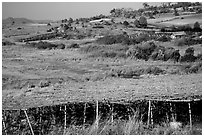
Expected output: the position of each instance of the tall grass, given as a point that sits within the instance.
(115, 50)
(133, 126)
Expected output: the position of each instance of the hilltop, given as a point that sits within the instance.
(8, 22)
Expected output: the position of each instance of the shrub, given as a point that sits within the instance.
(164, 38)
(136, 23)
(4, 43)
(141, 51)
(125, 23)
(113, 39)
(188, 58)
(142, 37)
(199, 57)
(197, 27)
(61, 46)
(143, 21)
(196, 68)
(192, 68)
(180, 42)
(89, 48)
(111, 51)
(44, 45)
(44, 83)
(154, 70)
(189, 55)
(189, 51)
(73, 45)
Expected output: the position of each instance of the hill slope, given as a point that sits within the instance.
(10, 21)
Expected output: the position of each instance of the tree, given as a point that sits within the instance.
(137, 23)
(143, 21)
(77, 21)
(65, 20)
(197, 27)
(71, 20)
(176, 12)
(112, 11)
(173, 28)
(48, 24)
(125, 23)
(66, 27)
(145, 5)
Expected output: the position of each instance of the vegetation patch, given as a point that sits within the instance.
(192, 68)
(187, 41)
(107, 51)
(73, 45)
(5, 43)
(44, 45)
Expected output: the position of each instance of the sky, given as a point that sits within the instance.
(62, 10)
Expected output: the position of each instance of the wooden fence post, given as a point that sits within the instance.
(151, 115)
(97, 120)
(190, 118)
(175, 114)
(4, 124)
(31, 129)
(84, 120)
(149, 112)
(65, 118)
(112, 107)
(172, 115)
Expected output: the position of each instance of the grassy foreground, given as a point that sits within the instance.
(129, 127)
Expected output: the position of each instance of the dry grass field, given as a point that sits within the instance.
(76, 76)
(33, 77)
(169, 20)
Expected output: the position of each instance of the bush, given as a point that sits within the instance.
(44, 45)
(137, 23)
(196, 68)
(197, 27)
(180, 42)
(189, 55)
(111, 51)
(192, 68)
(113, 39)
(189, 51)
(188, 58)
(143, 21)
(164, 38)
(60, 46)
(154, 70)
(4, 43)
(142, 37)
(73, 45)
(141, 51)
(125, 23)
(199, 57)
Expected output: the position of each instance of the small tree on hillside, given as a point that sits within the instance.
(197, 27)
(143, 21)
(173, 28)
(137, 23)
(71, 20)
(176, 12)
(125, 23)
(65, 20)
(145, 5)
(77, 21)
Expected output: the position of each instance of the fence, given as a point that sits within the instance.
(40, 120)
